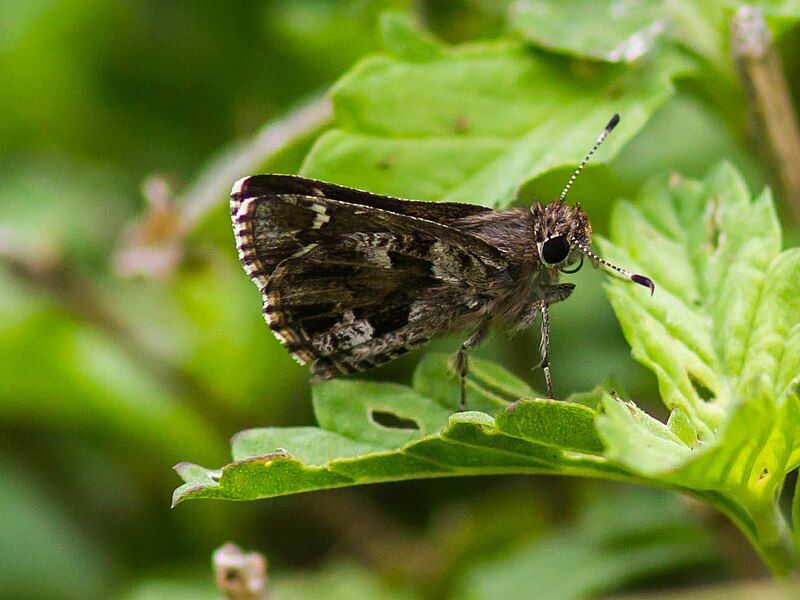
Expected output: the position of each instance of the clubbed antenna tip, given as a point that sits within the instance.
(645, 281)
(612, 123)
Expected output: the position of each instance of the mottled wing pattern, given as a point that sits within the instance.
(350, 286)
(276, 185)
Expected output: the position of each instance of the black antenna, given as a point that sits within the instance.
(603, 135)
(640, 279)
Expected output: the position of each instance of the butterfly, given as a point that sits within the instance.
(351, 280)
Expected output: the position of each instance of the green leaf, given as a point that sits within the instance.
(473, 123)
(615, 31)
(400, 37)
(605, 30)
(489, 387)
(352, 446)
(550, 422)
(723, 338)
(721, 335)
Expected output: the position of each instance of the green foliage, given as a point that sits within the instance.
(69, 564)
(648, 535)
(105, 380)
(482, 123)
(722, 337)
(616, 32)
(351, 446)
(611, 31)
(724, 318)
(620, 537)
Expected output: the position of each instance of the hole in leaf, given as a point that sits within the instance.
(705, 394)
(764, 473)
(391, 420)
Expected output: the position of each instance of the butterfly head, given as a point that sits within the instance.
(563, 232)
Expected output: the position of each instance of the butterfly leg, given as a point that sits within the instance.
(544, 348)
(461, 360)
(552, 294)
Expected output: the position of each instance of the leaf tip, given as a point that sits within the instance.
(181, 467)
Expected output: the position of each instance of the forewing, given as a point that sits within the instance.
(347, 287)
(279, 185)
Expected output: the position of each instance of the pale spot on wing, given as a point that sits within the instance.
(445, 264)
(319, 220)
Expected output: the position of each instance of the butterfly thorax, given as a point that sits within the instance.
(519, 233)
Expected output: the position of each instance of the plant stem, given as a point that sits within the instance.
(774, 122)
(780, 555)
(770, 535)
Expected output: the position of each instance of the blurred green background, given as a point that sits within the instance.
(116, 363)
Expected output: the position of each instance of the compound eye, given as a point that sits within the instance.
(555, 250)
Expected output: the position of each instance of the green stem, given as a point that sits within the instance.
(770, 535)
(780, 554)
